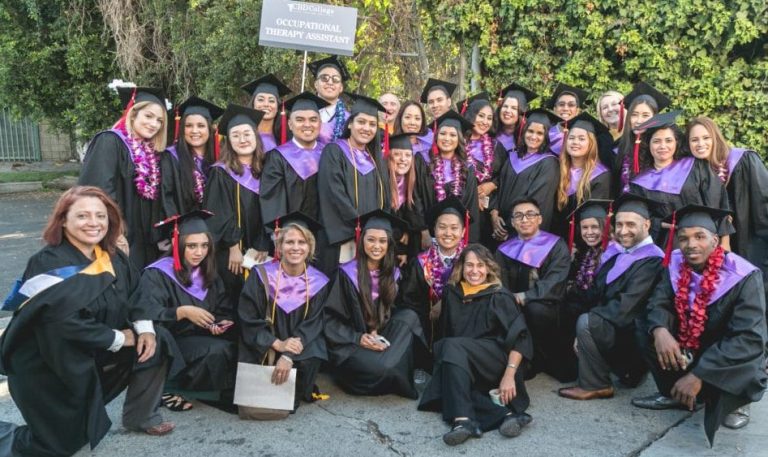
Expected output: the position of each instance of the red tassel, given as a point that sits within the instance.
(464, 107)
(571, 232)
(283, 126)
(121, 122)
(176, 126)
(520, 128)
(466, 228)
(607, 226)
(277, 233)
(386, 141)
(434, 140)
(636, 155)
(216, 144)
(621, 115)
(670, 240)
(358, 231)
(175, 247)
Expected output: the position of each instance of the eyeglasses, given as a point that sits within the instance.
(328, 78)
(566, 105)
(530, 215)
(242, 137)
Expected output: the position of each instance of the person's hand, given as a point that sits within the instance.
(260, 256)
(401, 259)
(667, 350)
(235, 260)
(404, 238)
(130, 338)
(291, 345)
(145, 346)
(281, 371)
(196, 315)
(122, 244)
(485, 189)
(686, 389)
(666, 225)
(164, 245)
(220, 327)
(576, 346)
(519, 298)
(369, 341)
(426, 240)
(499, 227)
(507, 388)
(434, 311)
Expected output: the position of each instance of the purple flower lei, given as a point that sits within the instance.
(487, 165)
(625, 175)
(146, 166)
(436, 269)
(585, 276)
(340, 120)
(199, 178)
(439, 176)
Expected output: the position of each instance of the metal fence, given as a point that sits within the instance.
(19, 140)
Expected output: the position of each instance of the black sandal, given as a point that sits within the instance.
(175, 402)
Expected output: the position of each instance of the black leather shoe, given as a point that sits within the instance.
(461, 432)
(511, 427)
(524, 419)
(657, 401)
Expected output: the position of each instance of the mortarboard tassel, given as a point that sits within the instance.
(520, 128)
(466, 227)
(175, 247)
(358, 231)
(464, 107)
(670, 241)
(607, 226)
(636, 155)
(216, 144)
(283, 126)
(434, 139)
(571, 232)
(121, 122)
(621, 115)
(277, 233)
(177, 120)
(386, 141)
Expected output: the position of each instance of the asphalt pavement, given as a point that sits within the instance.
(346, 425)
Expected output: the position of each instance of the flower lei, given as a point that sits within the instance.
(585, 276)
(439, 176)
(692, 321)
(199, 178)
(625, 174)
(485, 174)
(436, 269)
(146, 166)
(340, 119)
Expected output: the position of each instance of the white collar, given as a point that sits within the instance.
(648, 240)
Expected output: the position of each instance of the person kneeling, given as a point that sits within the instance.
(485, 345)
(705, 334)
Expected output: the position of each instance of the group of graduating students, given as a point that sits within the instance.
(482, 247)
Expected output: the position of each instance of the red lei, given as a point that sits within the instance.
(692, 321)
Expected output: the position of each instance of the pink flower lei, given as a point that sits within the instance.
(199, 179)
(435, 274)
(439, 176)
(146, 164)
(487, 165)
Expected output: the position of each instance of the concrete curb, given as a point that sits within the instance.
(15, 187)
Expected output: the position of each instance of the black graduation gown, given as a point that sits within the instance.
(701, 187)
(539, 181)
(544, 289)
(414, 293)
(337, 208)
(599, 188)
(361, 371)
(479, 332)
(415, 219)
(731, 360)
(257, 335)
(210, 360)
(54, 352)
(283, 191)
(615, 307)
(221, 198)
(108, 165)
(171, 199)
(468, 197)
(485, 223)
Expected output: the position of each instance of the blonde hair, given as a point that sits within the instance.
(608, 93)
(484, 255)
(305, 232)
(160, 140)
(720, 147)
(583, 190)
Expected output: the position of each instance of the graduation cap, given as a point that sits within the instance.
(195, 105)
(544, 117)
(449, 205)
(658, 121)
(481, 99)
(634, 203)
(238, 115)
(455, 120)
(589, 123)
(437, 84)
(306, 101)
(365, 105)
(381, 220)
(599, 209)
(520, 93)
(332, 61)
(563, 89)
(643, 92)
(294, 218)
(401, 141)
(129, 96)
(267, 84)
(185, 224)
(692, 216)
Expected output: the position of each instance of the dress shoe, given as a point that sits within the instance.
(738, 418)
(577, 393)
(512, 426)
(657, 401)
(524, 419)
(462, 431)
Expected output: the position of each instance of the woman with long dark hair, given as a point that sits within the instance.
(267, 93)
(370, 340)
(124, 161)
(186, 163)
(412, 120)
(233, 197)
(510, 114)
(405, 201)
(485, 345)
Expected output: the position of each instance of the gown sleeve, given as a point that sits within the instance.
(219, 200)
(272, 197)
(339, 321)
(168, 185)
(414, 291)
(622, 310)
(661, 305)
(515, 335)
(543, 189)
(252, 311)
(154, 298)
(331, 180)
(713, 194)
(101, 166)
(553, 276)
(311, 328)
(222, 305)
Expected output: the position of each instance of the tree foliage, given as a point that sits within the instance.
(56, 56)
